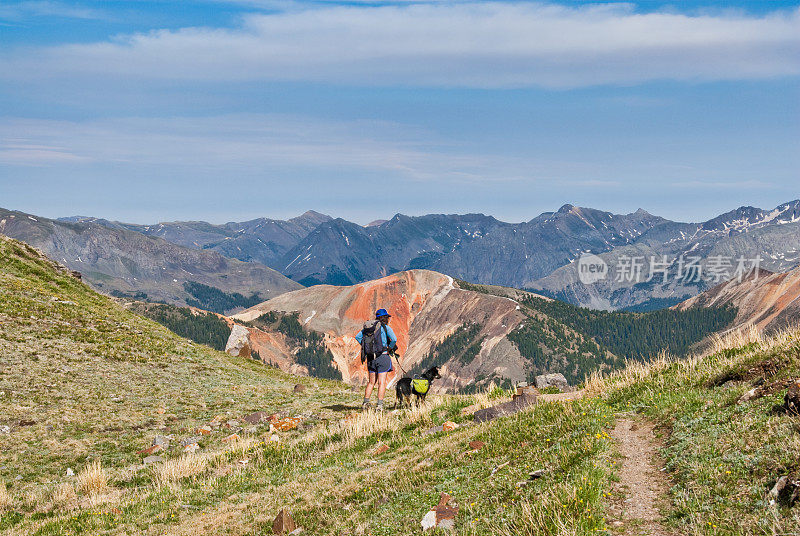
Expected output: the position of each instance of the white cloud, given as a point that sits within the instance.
(249, 143)
(491, 45)
(24, 10)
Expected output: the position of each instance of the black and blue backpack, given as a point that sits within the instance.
(371, 340)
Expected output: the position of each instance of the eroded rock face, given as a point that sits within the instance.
(425, 306)
(764, 299)
(239, 342)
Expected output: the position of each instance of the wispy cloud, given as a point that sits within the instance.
(486, 45)
(713, 184)
(24, 152)
(248, 142)
(15, 11)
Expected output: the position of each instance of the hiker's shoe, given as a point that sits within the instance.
(366, 405)
(379, 408)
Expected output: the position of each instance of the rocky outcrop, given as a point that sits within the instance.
(515, 405)
(556, 380)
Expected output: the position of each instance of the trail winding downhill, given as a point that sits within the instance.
(642, 483)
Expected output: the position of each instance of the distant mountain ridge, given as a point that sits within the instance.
(771, 236)
(262, 240)
(539, 254)
(124, 262)
(473, 247)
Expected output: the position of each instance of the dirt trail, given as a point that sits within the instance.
(642, 484)
(561, 397)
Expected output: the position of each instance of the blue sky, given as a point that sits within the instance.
(149, 111)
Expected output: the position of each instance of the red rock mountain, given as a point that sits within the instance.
(767, 300)
(425, 306)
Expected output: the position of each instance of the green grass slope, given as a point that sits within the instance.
(82, 379)
(92, 376)
(722, 453)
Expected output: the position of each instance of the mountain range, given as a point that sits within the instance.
(542, 254)
(262, 240)
(760, 238)
(123, 262)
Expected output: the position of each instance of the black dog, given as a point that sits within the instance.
(405, 388)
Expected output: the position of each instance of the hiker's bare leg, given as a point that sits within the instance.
(371, 385)
(382, 385)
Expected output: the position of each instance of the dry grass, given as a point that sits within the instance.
(366, 424)
(736, 339)
(33, 498)
(371, 422)
(64, 495)
(174, 470)
(634, 371)
(695, 365)
(112, 496)
(422, 413)
(93, 480)
(241, 446)
(538, 518)
(5, 497)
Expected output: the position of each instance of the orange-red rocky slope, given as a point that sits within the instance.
(767, 300)
(425, 306)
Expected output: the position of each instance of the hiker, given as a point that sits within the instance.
(377, 340)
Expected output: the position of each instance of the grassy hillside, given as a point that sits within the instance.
(722, 454)
(84, 382)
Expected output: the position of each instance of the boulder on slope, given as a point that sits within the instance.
(552, 380)
(238, 342)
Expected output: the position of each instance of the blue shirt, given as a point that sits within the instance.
(385, 330)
